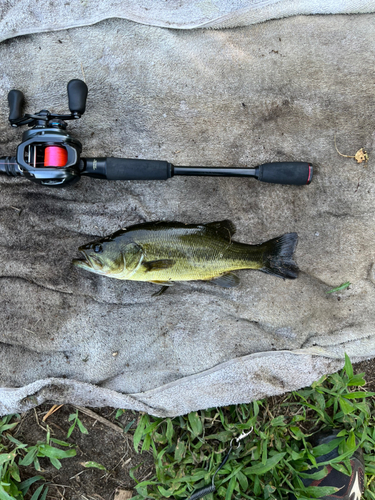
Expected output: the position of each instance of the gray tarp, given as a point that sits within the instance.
(21, 17)
(275, 91)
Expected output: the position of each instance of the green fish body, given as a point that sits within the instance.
(166, 252)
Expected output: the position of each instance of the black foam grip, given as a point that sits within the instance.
(77, 95)
(15, 100)
(136, 169)
(295, 173)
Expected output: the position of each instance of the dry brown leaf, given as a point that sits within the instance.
(361, 156)
(123, 494)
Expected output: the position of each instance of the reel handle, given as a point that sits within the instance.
(77, 95)
(15, 100)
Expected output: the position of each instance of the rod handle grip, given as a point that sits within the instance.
(77, 95)
(295, 173)
(124, 169)
(15, 100)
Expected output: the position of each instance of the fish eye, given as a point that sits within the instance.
(98, 248)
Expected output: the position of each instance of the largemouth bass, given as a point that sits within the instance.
(166, 252)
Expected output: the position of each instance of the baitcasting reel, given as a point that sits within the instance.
(48, 155)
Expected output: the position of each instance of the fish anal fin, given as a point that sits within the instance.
(161, 291)
(164, 283)
(228, 280)
(224, 228)
(156, 265)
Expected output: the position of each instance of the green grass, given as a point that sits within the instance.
(15, 454)
(274, 458)
(269, 463)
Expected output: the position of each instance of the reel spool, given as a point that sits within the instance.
(55, 156)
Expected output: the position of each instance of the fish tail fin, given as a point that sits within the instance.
(278, 256)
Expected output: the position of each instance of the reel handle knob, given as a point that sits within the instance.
(77, 95)
(15, 100)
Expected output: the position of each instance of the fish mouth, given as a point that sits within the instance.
(88, 262)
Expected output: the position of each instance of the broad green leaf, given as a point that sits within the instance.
(197, 476)
(195, 423)
(297, 456)
(45, 450)
(6, 427)
(320, 400)
(56, 463)
(37, 464)
(94, 465)
(341, 468)
(230, 489)
(325, 448)
(264, 451)
(321, 491)
(269, 489)
(243, 481)
(61, 443)
(260, 469)
(315, 475)
(297, 432)
(139, 431)
(349, 445)
(14, 472)
(128, 426)
(348, 367)
(345, 406)
(256, 408)
(278, 421)
(71, 429)
(146, 442)
(166, 493)
(179, 451)
(119, 412)
(38, 491)
(25, 485)
(357, 380)
(16, 442)
(257, 486)
(82, 428)
(222, 436)
(7, 457)
(29, 457)
(170, 431)
(43, 497)
(4, 495)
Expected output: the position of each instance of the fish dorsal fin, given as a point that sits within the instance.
(224, 228)
(228, 280)
(133, 256)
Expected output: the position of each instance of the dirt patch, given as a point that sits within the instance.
(102, 444)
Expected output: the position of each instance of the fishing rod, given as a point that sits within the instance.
(49, 156)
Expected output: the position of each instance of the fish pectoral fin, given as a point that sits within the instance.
(155, 265)
(228, 280)
(225, 228)
(164, 283)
